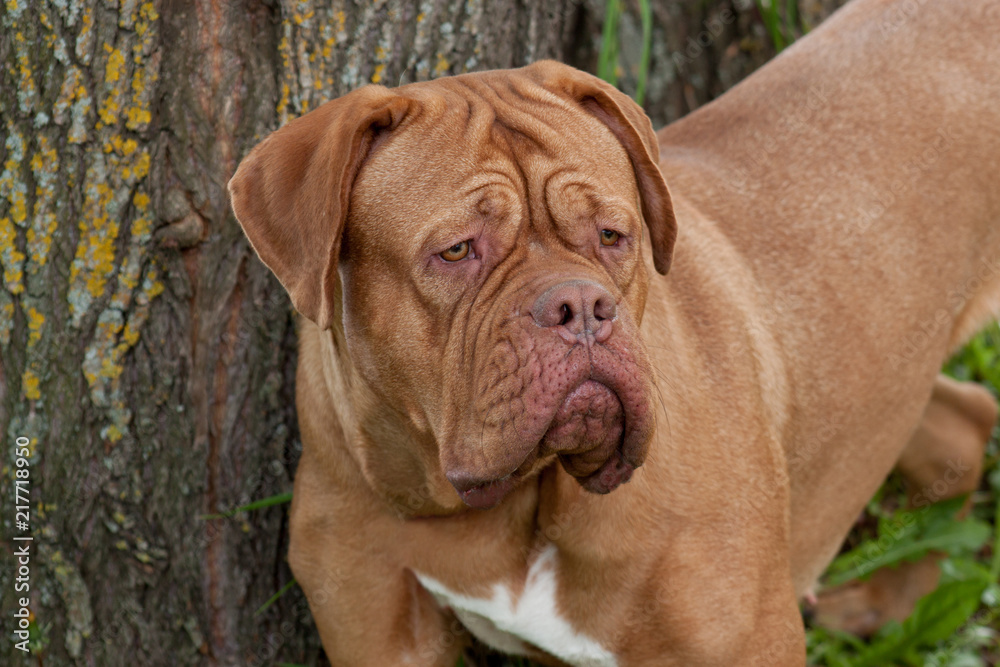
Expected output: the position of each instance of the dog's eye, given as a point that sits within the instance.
(456, 252)
(609, 237)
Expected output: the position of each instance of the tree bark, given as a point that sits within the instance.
(144, 351)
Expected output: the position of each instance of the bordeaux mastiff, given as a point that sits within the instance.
(600, 396)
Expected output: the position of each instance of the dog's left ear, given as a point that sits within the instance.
(630, 125)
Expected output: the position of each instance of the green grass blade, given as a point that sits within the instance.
(646, 12)
(791, 19)
(607, 62)
(279, 499)
(772, 21)
(274, 598)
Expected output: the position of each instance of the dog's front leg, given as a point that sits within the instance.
(737, 618)
(669, 579)
(369, 609)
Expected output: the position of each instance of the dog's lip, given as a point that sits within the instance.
(615, 472)
(484, 495)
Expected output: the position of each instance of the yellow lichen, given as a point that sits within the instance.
(141, 228)
(442, 65)
(45, 167)
(95, 253)
(130, 335)
(142, 165)
(6, 322)
(29, 385)
(113, 69)
(26, 88)
(86, 25)
(39, 238)
(328, 46)
(148, 12)
(10, 257)
(283, 102)
(110, 369)
(35, 321)
(138, 117)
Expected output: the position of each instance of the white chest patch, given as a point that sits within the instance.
(506, 623)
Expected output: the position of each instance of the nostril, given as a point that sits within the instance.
(604, 309)
(567, 315)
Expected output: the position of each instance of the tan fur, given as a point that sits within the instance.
(818, 280)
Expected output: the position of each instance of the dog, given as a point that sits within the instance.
(604, 397)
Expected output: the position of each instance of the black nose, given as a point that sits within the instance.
(580, 306)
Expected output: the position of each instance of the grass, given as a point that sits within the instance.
(270, 501)
(608, 61)
(782, 24)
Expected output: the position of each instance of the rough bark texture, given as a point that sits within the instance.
(145, 352)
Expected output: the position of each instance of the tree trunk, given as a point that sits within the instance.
(144, 351)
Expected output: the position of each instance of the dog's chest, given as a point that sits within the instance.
(507, 622)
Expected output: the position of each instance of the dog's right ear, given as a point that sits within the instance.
(291, 193)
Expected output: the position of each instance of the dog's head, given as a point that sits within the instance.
(484, 232)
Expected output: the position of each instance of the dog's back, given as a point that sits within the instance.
(858, 175)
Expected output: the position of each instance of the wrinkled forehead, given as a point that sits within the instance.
(487, 143)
